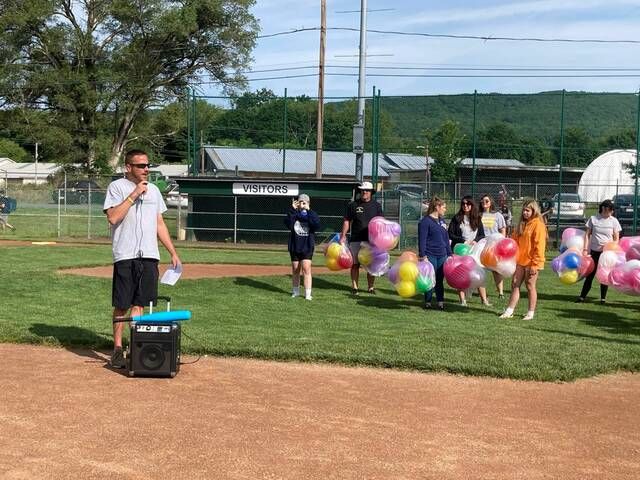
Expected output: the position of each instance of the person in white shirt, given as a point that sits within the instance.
(134, 209)
(493, 222)
(601, 229)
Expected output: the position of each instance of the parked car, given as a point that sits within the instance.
(571, 208)
(623, 210)
(78, 191)
(174, 198)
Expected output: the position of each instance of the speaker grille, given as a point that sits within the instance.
(151, 356)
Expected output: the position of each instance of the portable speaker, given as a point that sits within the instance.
(154, 349)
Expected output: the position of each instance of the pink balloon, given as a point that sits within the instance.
(633, 251)
(634, 277)
(602, 274)
(570, 232)
(586, 266)
(457, 270)
(506, 248)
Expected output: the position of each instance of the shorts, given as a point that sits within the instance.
(135, 283)
(354, 247)
(298, 256)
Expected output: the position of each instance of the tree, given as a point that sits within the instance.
(81, 60)
(10, 149)
(445, 146)
(579, 148)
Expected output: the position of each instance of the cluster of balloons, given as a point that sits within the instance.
(465, 269)
(373, 259)
(463, 272)
(337, 256)
(374, 254)
(571, 266)
(410, 276)
(619, 265)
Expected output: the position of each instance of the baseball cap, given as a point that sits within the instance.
(366, 186)
(303, 197)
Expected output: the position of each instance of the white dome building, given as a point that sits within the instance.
(607, 175)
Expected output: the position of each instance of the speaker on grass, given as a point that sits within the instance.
(154, 349)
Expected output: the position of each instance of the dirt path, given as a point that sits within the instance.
(64, 414)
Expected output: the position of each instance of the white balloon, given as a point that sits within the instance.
(506, 269)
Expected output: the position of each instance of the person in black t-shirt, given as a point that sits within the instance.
(357, 218)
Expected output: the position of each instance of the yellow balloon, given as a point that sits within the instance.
(569, 277)
(332, 264)
(408, 271)
(406, 289)
(333, 251)
(364, 256)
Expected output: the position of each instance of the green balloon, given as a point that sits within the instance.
(462, 249)
(423, 284)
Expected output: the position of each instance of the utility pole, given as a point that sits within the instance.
(427, 172)
(358, 129)
(36, 180)
(323, 36)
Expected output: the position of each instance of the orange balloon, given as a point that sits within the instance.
(488, 258)
(611, 246)
(408, 256)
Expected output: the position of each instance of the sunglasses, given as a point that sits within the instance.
(140, 165)
(486, 201)
(466, 204)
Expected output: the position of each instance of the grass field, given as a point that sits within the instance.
(255, 317)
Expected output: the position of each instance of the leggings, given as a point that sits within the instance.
(589, 279)
(437, 263)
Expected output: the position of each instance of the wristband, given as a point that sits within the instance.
(130, 200)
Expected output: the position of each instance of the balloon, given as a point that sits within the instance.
(626, 242)
(569, 277)
(609, 259)
(333, 250)
(633, 251)
(476, 277)
(425, 268)
(571, 261)
(611, 247)
(345, 260)
(634, 277)
(383, 233)
(617, 278)
(556, 264)
(506, 248)
(586, 266)
(602, 274)
(393, 273)
(424, 284)
(379, 265)
(488, 258)
(576, 242)
(462, 249)
(406, 289)
(506, 269)
(408, 256)
(563, 248)
(408, 271)
(332, 264)
(364, 254)
(456, 271)
(570, 232)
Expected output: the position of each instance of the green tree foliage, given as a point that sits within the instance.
(81, 61)
(446, 146)
(579, 148)
(10, 149)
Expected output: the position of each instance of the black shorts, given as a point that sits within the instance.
(135, 283)
(298, 256)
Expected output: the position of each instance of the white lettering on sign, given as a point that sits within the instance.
(275, 189)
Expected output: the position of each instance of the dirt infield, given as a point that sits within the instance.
(205, 270)
(245, 419)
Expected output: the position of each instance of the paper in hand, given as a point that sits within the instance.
(172, 275)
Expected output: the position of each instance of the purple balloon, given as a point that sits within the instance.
(425, 268)
(395, 229)
(393, 273)
(556, 264)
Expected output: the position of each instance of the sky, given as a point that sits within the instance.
(451, 58)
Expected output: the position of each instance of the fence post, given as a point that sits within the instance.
(235, 219)
(635, 189)
(284, 134)
(560, 168)
(473, 171)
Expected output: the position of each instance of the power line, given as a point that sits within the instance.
(460, 37)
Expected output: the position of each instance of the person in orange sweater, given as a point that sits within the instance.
(531, 235)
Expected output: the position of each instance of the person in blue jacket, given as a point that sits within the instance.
(302, 223)
(433, 243)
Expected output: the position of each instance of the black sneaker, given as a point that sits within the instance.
(354, 291)
(117, 359)
(426, 306)
(579, 300)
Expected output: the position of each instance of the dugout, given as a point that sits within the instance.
(251, 210)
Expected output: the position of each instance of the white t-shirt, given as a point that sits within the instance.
(468, 234)
(492, 222)
(137, 234)
(602, 230)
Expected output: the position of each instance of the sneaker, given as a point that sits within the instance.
(501, 296)
(426, 306)
(372, 291)
(117, 358)
(308, 298)
(579, 300)
(506, 315)
(463, 303)
(528, 316)
(294, 295)
(354, 291)
(487, 303)
(603, 301)
(441, 306)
